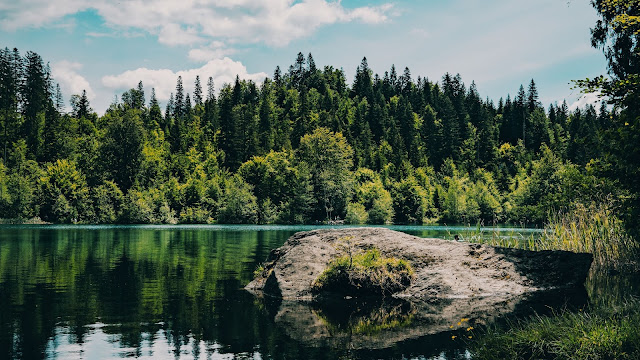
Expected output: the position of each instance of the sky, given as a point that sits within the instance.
(107, 46)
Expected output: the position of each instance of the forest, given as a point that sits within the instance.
(305, 146)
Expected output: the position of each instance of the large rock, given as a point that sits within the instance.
(443, 269)
(456, 286)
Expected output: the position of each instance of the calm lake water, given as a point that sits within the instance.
(169, 292)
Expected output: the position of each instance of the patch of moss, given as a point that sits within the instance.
(366, 273)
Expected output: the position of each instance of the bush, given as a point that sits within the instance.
(367, 273)
(409, 202)
(195, 215)
(107, 201)
(356, 214)
(238, 203)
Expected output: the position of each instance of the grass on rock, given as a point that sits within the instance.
(364, 273)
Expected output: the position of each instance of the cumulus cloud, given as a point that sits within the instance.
(274, 22)
(164, 80)
(71, 82)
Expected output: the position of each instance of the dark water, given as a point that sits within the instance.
(91, 292)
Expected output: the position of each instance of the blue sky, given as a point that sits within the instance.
(107, 46)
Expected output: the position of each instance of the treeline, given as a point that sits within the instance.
(302, 147)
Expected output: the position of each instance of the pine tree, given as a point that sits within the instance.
(179, 105)
(36, 98)
(362, 85)
(80, 107)
(10, 85)
(297, 71)
(532, 97)
(197, 92)
(155, 119)
(406, 82)
(210, 90)
(393, 80)
(520, 116)
(265, 121)
(59, 100)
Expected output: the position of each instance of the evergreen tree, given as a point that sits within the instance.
(266, 121)
(80, 107)
(10, 86)
(532, 97)
(121, 152)
(362, 85)
(297, 71)
(155, 119)
(35, 100)
(197, 92)
(179, 105)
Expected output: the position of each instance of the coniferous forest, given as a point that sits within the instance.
(305, 146)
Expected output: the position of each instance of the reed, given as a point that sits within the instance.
(590, 229)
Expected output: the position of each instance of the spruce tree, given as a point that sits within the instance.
(532, 97)
(179, 105)
(197, 92)
(35, 99)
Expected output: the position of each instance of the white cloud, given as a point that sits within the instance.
(71, 83)
(215, 50)
(164, 80)
(185, 22)
(34, 13)
(593, 98)
(174, 34)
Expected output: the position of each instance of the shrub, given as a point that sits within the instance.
(356, 214)
(367, 273)
(195, 215)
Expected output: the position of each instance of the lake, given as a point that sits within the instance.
(169, 292)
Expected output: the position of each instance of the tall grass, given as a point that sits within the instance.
(581, 335)
(594, 229)
(591, 229)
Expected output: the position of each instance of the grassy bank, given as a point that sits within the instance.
(608, 328)
(602, 334)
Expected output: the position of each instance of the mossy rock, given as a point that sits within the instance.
(366, 273)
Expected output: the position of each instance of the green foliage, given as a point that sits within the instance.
(593, 229)
(195, 215)
(374, 198)
(617, 33)
(64, 194)
(329, 158)
(107, 200)
(238, 204)
(307, 148)
(569, 335)
(366, 273)
(409, 202)
(550, 185)
(356, 214)
(147, 207)
(121, 152)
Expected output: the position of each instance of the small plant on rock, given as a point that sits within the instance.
(364, 273)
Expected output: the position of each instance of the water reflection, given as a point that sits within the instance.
(368, 324)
